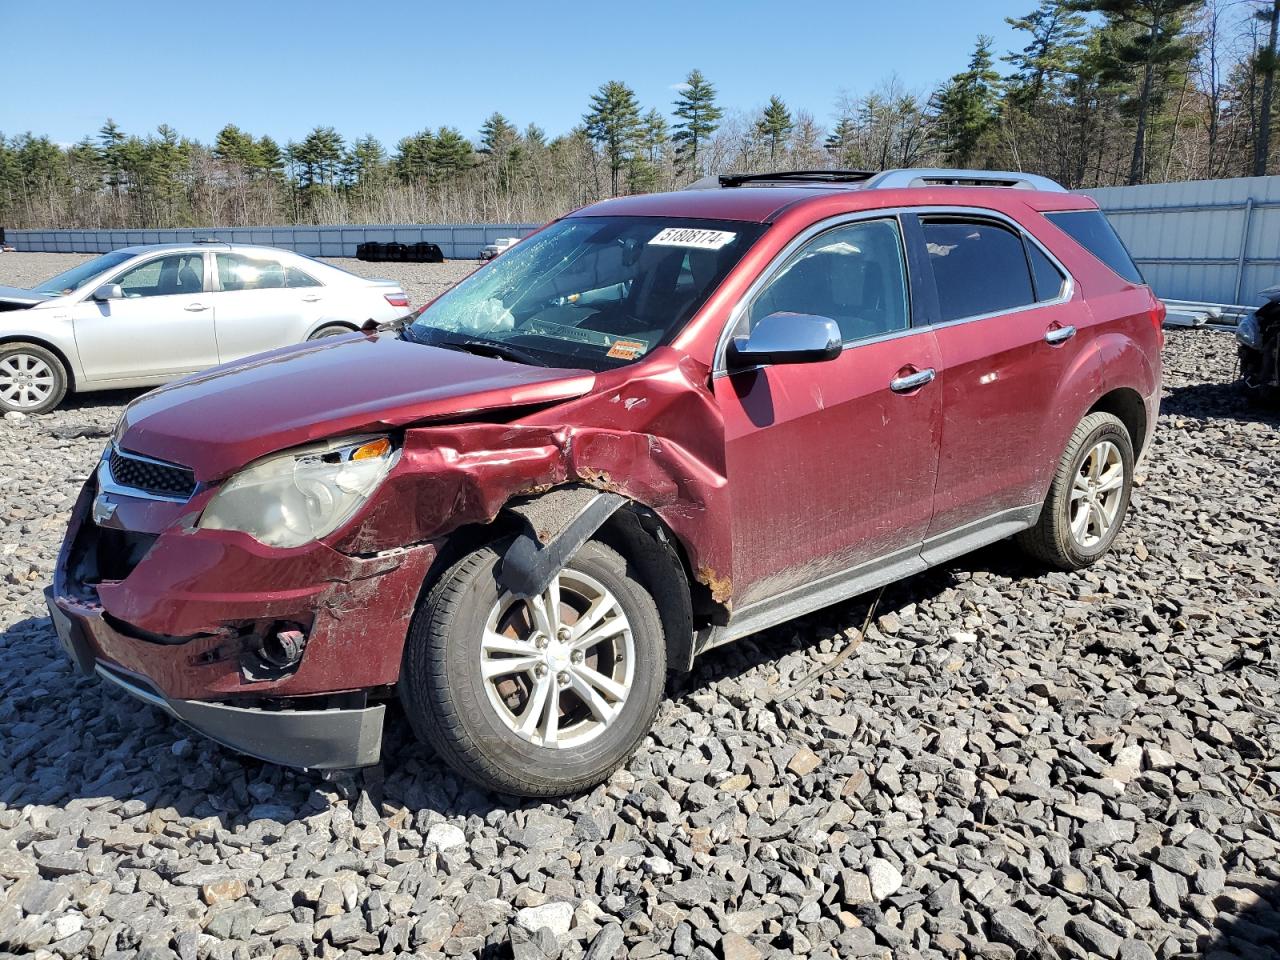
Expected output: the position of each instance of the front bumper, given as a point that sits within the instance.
(173, 624)
(332, 739)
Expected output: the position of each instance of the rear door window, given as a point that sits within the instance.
(238, 272)
(979, 267)
(1092, 230)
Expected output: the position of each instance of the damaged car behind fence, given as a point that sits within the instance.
(660, 424)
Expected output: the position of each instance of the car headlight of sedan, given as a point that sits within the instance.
(1248, 332)
(296, 497)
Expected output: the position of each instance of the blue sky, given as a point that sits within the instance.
(391, 68)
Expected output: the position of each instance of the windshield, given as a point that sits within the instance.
(593, 292)
(71, 280)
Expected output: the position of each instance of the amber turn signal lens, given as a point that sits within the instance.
(372, 450)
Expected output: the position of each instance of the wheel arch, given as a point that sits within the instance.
(654, 554)
(1127, 405)
(321, 324)
(57, 351)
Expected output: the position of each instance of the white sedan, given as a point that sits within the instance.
(141, 316)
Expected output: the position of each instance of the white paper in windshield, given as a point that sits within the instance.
(691, 237)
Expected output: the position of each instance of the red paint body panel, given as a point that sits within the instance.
(219, 420)
(827, 467)
(766, 479)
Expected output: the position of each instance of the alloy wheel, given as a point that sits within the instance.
(25, 380)
(557, 668)
(1096, 492)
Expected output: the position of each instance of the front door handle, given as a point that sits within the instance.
(195, 307)
(1059, 334)
(909, 382)
(311, 298)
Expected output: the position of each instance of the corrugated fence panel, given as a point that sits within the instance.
(461, 241)
(1216, 241)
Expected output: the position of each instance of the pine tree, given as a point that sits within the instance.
(966, 106)
(233, 145)
(775, 126)
(698, 118)
(412, 162)
(613, 122)
(1151, 44)
(1056, 29)
(450, 153)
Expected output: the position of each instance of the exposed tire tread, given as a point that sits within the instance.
(1050, 541)
(432, 711)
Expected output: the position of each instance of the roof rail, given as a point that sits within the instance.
(796, 176)
(938, 177)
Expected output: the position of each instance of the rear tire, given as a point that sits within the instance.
(32, 378)
(497, 730)
(330, 330)
(1088, 498)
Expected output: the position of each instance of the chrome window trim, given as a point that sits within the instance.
(779, 260)
(107, 483)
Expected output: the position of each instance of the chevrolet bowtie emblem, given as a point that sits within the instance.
(103, 509)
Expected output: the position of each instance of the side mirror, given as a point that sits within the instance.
(109, 291)
(786, 338)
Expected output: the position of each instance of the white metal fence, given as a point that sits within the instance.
(1215, 241)
(457, 241)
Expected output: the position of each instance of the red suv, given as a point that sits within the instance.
(659, 424)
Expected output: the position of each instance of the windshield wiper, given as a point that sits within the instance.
(503, 351)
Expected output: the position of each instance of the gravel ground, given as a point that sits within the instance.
(1013, 764)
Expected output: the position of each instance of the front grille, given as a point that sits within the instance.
(161, 479)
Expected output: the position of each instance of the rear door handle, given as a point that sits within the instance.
(195, 307)
(311, 298)
(912, 380)
(1059, 334)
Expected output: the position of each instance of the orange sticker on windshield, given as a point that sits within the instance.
(627, 349)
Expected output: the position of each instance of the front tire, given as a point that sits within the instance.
(32, 379)
(537, 698)
(1089, 496)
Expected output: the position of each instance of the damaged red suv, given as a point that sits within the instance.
(659, 424)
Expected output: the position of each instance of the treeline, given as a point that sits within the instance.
(1103, 92)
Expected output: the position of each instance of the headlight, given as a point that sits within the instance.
(294, 498)
(1248, 332)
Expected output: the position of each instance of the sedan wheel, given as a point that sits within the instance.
(32, 380)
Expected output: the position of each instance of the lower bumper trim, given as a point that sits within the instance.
(337, 739)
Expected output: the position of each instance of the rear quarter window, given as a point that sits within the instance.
(1091, 229)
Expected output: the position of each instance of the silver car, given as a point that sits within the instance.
(140, 316)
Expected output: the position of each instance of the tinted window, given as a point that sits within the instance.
(1090, 229)
(1049, 278)
(164, 276)
(852, 274)
(979, 267)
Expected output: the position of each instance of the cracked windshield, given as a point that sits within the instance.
(593, 292)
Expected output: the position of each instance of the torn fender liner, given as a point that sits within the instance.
(559, 523)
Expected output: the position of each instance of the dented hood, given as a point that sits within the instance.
(217, 421)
